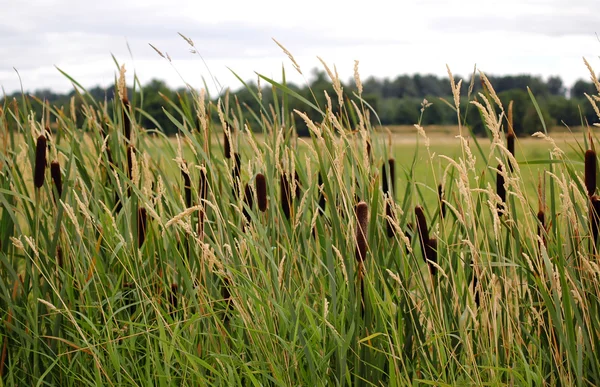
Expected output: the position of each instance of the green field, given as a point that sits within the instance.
(156, 265)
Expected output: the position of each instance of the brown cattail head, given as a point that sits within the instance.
(389, 213)
(40, 161)
(422, 229)
(431, 255)
(388, 175)
(130, 152)
(500, 190)
(595, 217)
(510, 145)
(441, 199)
(541, 216)
(59, 256)
(126, 118)
(226, 145)
(202, 195)
(248, 200)
(237, 165)
(56, 177)
(187, 186)
(590, 171)
(362, 221)
(298, 191)
(261, 192)
(141, 226)
(286, 195)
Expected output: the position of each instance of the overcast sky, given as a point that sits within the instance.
(540, 37)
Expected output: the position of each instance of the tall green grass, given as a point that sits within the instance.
(151, 265)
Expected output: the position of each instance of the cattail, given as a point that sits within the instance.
(500, 190)
(236, 174)
(141, 225)
(389, 172)
(542, 225)
(475, 288)
(389, 213)
(173, 298)
(226, 145)
(56, 177)
(322, 201)
(40, 161)
(248, 200)
(187, 186)
(595, 217)
(130, 152)
(362, 220)
(298, 185)
(590, 171)
(510, 134)
(431, 255)
(286, 195)
(59, 256)
(127, 118)
(202, 194)
(422, 229)
(261, 192)
(441, 200)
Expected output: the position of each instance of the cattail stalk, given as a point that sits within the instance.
(40, 161)
(261, 192)
(56, 177)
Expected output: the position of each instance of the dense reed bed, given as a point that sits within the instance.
(239, 254)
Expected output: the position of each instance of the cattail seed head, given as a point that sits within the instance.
(298, 191)
(248, 200)
(126, 118)
(500, 190)
(422, 229)
(187, 187)
(431, 255)
(56, 177)
(286, 195)
(389, 213)
(226, 145)
(130, 151)
(40, 161)
(141, 225)
(362, 221)
(541, 216)
(590, 171)
(261, 192)
(594, 217)
(236, 174)
(441, 199)
(388, 175)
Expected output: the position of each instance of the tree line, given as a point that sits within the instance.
(396, 101)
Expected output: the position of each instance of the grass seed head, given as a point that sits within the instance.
(40, 161)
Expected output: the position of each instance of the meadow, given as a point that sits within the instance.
(230, 256)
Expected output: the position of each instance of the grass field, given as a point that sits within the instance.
(224, 257)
